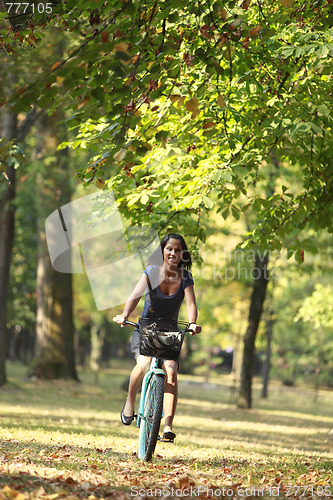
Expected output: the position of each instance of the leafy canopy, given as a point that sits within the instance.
(182, 104)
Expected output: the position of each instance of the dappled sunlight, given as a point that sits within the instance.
(240, 426)
(298, 415)
(71, 434)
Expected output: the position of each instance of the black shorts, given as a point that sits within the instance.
(135, 347)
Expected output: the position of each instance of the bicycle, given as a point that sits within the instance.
(150, 409)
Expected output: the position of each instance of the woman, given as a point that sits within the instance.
(175, 283)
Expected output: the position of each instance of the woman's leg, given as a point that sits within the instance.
(135, 383)
(170, 393)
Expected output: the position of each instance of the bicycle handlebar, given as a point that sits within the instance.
(126, 322)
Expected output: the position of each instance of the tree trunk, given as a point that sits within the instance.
(256, 307)
(267, 364)
(97, 338)
(7, 217)
(54, 346)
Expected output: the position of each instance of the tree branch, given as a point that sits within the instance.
(28, 122)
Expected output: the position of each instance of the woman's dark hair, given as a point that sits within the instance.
(186, 260)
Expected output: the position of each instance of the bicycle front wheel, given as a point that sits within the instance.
(150, 423)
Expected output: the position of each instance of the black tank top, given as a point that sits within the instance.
(164, 306)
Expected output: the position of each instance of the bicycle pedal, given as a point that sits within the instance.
(166, 440)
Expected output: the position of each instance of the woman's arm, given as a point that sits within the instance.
(192, 311)
(133, 299)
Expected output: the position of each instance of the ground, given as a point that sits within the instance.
(65, 440)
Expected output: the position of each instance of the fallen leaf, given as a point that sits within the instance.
(246, 4)
(192, 104)
(105, 36)
(55, 65)
(120, 47)
(254, 31)
(220, 101)
(83, 103)
(222, 12)
(208, 125)
(223, 41)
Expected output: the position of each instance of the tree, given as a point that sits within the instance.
(13, 150)
(256, 307)
(54, 349)
(269, 334)
(6, 237)
(21, 310)
(11, 159)
(181, 105)
(241, 78)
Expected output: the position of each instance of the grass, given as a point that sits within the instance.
(65, 440)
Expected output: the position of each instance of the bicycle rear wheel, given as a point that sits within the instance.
(150, 423)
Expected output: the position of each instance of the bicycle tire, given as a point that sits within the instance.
(150, 423)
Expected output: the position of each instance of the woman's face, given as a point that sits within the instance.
(172, 252)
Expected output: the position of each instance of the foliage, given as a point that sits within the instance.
(180, 105)
(317, 314)
(318, 308)
(301, 351)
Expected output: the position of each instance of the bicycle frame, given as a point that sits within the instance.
(154, 370)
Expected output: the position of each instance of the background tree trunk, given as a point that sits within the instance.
(7, 217)
(256, 307)
(267, 364)
(54, 347)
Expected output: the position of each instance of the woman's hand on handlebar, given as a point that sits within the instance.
(120, 318)
(194, 329)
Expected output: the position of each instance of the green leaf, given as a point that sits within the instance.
(323, 110)
(256, 205)
(298, 256)
(99, 94)
(207, 202)
(225, 213)
(235, 212)
(133, 199)
(323, 51)
(315, 128)
(287, 52)
(265, 203)
(144, 199)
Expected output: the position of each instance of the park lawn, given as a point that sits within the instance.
(65, 440)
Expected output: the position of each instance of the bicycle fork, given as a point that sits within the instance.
(154, 370)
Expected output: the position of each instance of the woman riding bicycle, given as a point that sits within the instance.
(175, 283)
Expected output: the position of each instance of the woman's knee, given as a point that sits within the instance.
(142, 363)
(171, 370)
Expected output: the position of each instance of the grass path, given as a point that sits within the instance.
(65, 440)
